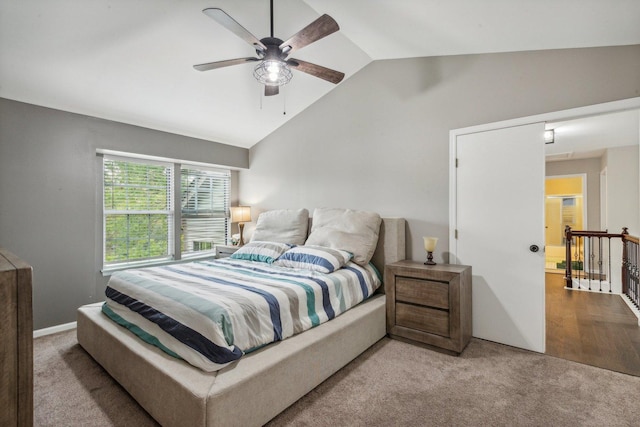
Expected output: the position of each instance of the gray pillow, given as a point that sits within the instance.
(283, 226)
(346, 229)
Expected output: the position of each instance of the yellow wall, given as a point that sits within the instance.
(555, 190)
(563, 186)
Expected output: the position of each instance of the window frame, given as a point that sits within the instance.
(175, 236)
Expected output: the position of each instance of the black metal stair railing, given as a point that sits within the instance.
(630, 260)
(588, 259)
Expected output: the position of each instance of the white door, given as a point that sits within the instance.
(499, 217)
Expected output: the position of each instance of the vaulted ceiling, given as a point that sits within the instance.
(131, 61)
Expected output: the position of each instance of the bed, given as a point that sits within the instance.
(176, 393)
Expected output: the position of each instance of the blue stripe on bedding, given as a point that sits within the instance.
(326, 300)
(182, 333)
(274, 306)
(308, 290)
(298, 259)
(363, 284)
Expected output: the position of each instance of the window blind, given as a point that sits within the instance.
(204, 196)
(138, 211)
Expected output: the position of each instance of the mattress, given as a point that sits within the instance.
(211, 313)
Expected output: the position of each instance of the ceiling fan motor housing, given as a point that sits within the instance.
(273, 70)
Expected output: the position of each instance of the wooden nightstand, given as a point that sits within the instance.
(224, 251)
(430, 304)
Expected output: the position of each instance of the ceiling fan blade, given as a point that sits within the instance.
(232, 25)
(318, 29)
(319, 71)
(220, 64)
(271, 90)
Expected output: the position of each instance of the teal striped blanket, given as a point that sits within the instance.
(211, 313)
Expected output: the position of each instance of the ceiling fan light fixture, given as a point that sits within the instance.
(273, 72)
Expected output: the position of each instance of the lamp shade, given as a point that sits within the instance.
(241, 214)
(430, 243)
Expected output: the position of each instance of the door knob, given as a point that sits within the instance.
(534, 248)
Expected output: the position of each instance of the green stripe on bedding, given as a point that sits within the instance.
(380, 278)
(144, 335)
(308, 290)
(337, 287)
(205, 307)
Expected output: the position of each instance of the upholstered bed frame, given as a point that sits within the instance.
(260, 385)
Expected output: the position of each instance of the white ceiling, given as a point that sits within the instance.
(590, 136)
(131, 61)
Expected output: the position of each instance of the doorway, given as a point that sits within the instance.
(565, 204)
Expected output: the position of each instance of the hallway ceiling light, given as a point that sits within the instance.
(549, 136)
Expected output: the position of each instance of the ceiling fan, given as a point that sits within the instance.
(274, 67)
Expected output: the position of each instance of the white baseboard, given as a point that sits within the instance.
(54, 329)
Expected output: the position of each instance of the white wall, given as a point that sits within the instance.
(623, 198)
(623, 189)
(379, 141)
(48, 196)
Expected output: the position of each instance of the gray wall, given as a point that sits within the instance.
(48, 197)
(591, 167)
(380, 140)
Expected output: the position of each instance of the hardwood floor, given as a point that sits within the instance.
(591, 328)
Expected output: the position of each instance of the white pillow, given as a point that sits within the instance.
(346, 229)
(314, 258)
(282, 225)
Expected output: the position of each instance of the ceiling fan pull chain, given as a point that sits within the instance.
(284, 101)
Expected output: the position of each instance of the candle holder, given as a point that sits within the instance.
(430, 246)
(429, 260)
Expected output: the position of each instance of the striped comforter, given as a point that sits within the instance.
(210, 313)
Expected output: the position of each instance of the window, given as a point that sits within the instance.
(204, 198)
(139, 218)
(138, 211)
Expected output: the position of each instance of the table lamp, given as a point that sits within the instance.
(241, 214)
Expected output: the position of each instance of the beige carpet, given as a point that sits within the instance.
(393, 383)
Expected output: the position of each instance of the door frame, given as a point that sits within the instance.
(604, 206)
(573, 113)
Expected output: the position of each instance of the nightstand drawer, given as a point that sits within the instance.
(423, 318)
(423, 292)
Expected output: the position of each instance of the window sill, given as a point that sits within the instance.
(107, 271)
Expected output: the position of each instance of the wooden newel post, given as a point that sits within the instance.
(625, 261)
(567, 275)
